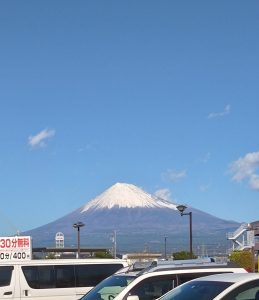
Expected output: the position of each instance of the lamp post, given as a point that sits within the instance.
(78, 225)
(181, 209)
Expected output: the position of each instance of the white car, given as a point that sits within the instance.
(48, 279)
(155, 280)
(235, 286)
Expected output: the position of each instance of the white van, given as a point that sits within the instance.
(61, 279)
(155, 280)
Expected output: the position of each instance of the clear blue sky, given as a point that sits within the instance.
(160, 94)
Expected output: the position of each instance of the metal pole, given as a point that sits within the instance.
(78, 242)
(115, 244)
(78, 225)
(165, 249)
(181, 209)
(190, 214)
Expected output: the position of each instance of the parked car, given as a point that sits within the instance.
(155, 280)
(217, 287)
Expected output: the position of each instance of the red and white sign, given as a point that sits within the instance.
(15, 248)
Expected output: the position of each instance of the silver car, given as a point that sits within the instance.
(235, 286)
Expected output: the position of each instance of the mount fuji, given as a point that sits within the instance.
(141, 220)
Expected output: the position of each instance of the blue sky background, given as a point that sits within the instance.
(161, 94)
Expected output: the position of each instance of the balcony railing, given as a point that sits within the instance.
(241, 229)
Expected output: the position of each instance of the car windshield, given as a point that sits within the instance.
(196, 290)
(109, 288)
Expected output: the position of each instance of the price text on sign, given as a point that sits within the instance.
(15, 248)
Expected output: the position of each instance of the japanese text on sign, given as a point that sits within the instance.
(15, 248)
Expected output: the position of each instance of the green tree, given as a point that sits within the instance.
(183, 255)
(51, 255)
(243, 258)
(103, 255)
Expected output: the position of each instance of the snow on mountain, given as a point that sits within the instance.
(123, 195)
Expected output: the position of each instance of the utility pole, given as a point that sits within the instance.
(114, 244)
(165, 248)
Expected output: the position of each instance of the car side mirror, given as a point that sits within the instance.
(133, 297)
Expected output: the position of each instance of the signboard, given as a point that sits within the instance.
(15, 248)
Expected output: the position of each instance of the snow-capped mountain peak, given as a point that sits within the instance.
(123, 195)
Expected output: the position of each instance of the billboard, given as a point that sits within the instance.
(15, 248)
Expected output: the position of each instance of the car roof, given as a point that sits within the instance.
(230, 277)
(178, 271)
(178, 266)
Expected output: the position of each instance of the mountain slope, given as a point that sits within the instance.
(136, 216)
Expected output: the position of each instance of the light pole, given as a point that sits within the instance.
(165, 248)
(114, 239)
(78, 225)
(181, 209)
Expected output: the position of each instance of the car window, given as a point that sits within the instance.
(5, 275)
(92, 274)
(109, 288)
(182, 278)
(153, 287)
(197, 290)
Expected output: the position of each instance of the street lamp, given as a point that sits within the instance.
(78, 225)
(181, 209)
